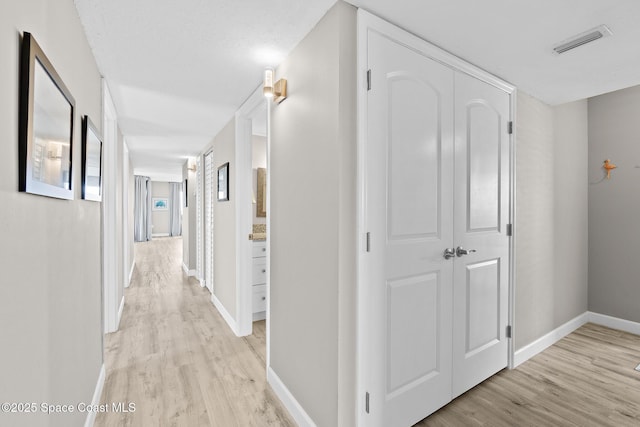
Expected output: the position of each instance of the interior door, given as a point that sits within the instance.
(409, 211)
(208, 220)
(481, 277)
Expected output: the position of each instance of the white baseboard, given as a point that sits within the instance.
(614, 323)
(542, 343)
(259, 316)
(120, 310)
(288, 400)
(188, 272)
(225, 314)
(160, 235)
(202, 282)
(133, 266)
(95, 401)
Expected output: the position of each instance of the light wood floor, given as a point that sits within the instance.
(176, 358)
(585, 379)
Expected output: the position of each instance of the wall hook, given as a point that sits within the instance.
(608, 166)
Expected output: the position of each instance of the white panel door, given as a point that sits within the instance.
(481, 278)
(409, 211)
(208, 220)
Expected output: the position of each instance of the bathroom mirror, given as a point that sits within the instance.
(45, 127)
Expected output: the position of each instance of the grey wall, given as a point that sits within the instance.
(313, 214)
(551, 225)
(614, 205)
(160, 219)
(224, 222)
(50, 279)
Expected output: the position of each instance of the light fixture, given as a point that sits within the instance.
(192, 166)
(583, 38)
(277, 90)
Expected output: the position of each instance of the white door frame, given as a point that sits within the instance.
(368, 22)
(109, 212)
(244, 209)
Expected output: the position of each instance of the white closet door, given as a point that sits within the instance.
(199, 227)
(481, 278)
(409, 214)
(208, 220)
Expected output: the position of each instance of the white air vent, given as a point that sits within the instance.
(583, 38)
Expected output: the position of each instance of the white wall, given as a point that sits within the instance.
(551, 225)
(224, 221)
(50, 274)
(614, 204)
(313, 222)
(160, 219)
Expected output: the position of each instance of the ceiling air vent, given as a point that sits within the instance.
(583, 38)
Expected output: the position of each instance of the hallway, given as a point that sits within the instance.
(175, 358)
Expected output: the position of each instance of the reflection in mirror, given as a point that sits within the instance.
(91, 162)
(46, 126)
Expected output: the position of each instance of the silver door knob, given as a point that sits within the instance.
(449, 253)
(462, 251)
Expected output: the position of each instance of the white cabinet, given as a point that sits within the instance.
(259, 280)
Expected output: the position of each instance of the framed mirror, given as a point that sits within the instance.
(45, 127)
(91, 162)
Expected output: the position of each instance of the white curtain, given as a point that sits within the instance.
(175, 206)
(142, 209)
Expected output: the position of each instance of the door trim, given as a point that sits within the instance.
(244, 209)
(369, 22)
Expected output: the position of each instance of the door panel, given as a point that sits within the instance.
(409, 163)
(480, 217)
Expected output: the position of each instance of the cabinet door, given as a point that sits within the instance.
(259, 274)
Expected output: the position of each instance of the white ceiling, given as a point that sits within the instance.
(178, 70)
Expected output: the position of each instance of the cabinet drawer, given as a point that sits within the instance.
(259, 249)
(259, 298)
(259, 273)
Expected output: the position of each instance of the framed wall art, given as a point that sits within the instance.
(160, 204)
(223, 183)
(45, 126)
(91, 162)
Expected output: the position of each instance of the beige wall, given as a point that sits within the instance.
(551, 224)
(614, 204)
(160, 219)
(224, 221)
(313, 258)
(50, 249)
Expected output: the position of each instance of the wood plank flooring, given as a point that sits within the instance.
(176, 358)
(585, 379)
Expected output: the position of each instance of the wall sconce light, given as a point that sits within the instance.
(277, 90)
(192, 166)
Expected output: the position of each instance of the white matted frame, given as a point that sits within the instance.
(367, 22)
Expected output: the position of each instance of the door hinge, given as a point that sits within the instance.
(509, 331)
(510, 127)
(368, 79)
(368, 241)
(509, 229)
(366, 402)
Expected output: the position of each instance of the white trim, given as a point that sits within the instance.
(97, 393)
(244, 210)
(261, 315)
(268, 305)
(133, 266)
(225, 314)
(547, 340)
(160, 235)
(188, 272)
(614, 322)
(120, 310)
(202, 282)
(290, 403)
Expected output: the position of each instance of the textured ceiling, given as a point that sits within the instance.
(178, 70)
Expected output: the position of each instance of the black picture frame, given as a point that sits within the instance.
(45, 134)
(91, 161)
(223, 183)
